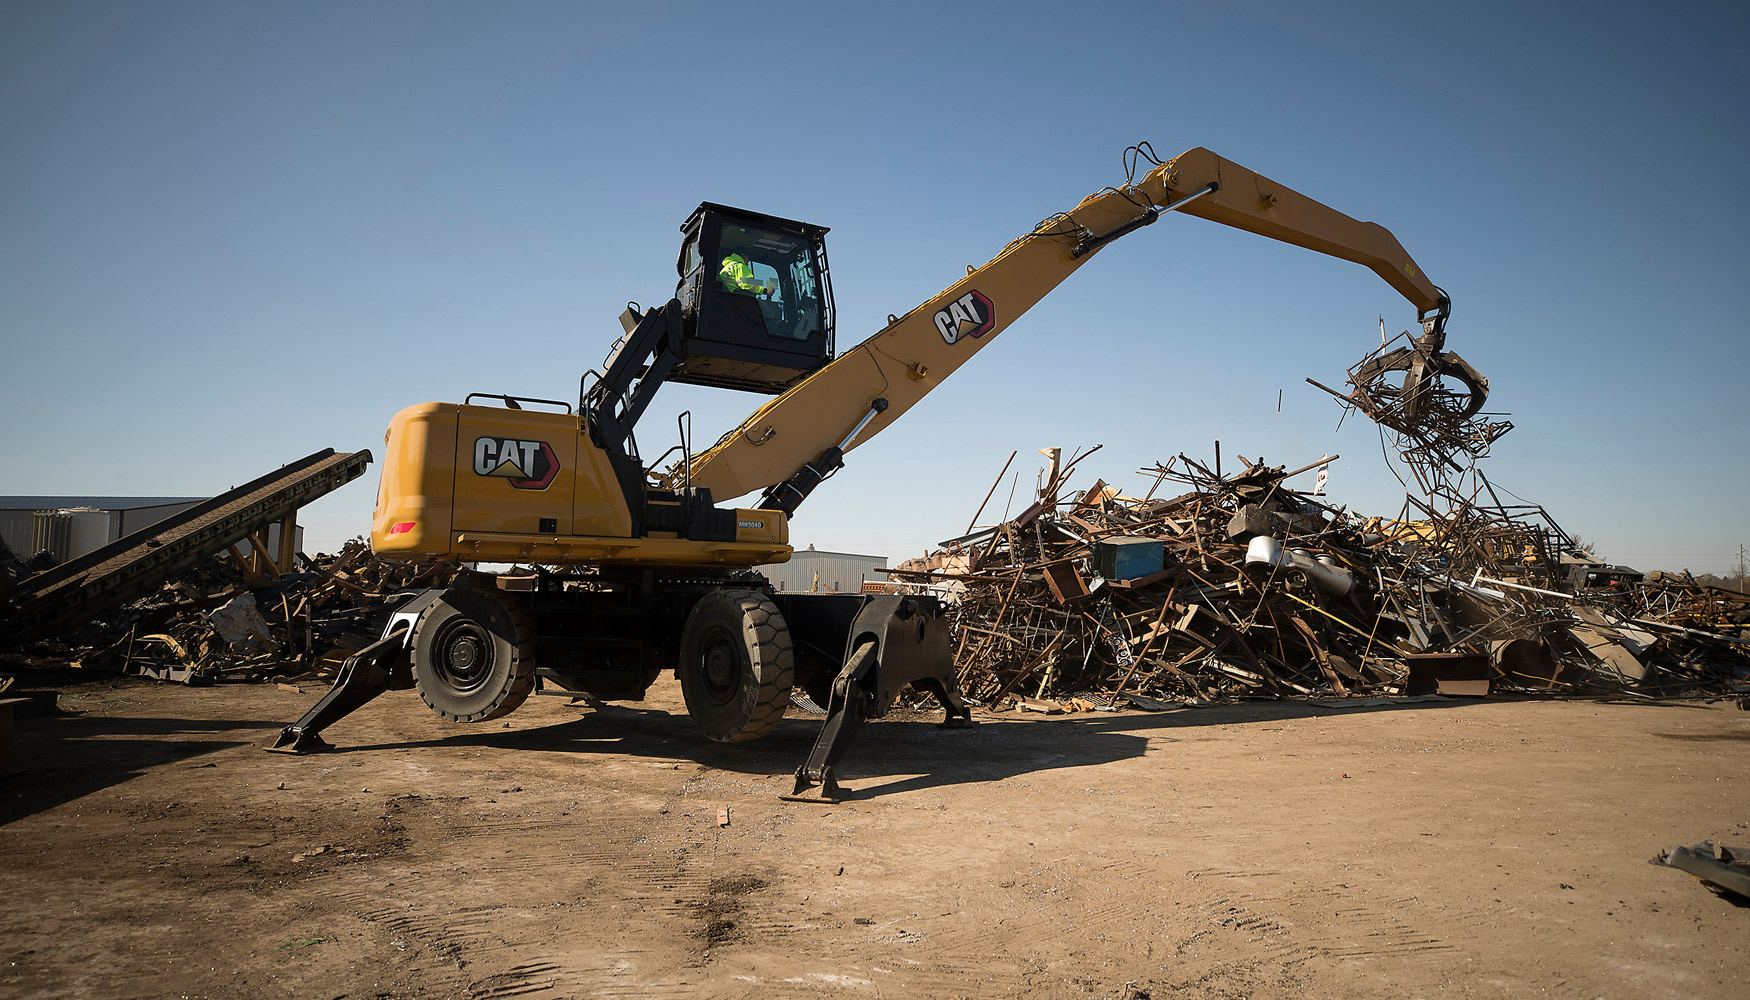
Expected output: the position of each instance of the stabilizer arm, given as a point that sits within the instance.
(381, 666)
(895, 641)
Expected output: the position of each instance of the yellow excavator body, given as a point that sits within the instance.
(637, 571)
(494, 484)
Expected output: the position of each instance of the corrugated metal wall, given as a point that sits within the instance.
(840, 572)
(70, 532)
(135, 518)
(18, 530)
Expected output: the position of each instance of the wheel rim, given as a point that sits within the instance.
(463, 656)
(719, 668)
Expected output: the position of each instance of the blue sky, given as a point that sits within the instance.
(234, 233)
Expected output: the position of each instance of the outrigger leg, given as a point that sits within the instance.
(844, 716)
(897, 642)
(381, 666)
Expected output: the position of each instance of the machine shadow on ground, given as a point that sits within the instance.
(898, 754)
(62, 758)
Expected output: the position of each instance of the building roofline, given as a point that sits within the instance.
(842, 555)
(100, 503)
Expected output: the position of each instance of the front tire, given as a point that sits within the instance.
(736, 665)
(474, 654)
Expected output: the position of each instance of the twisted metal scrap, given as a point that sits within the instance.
(1429, 400)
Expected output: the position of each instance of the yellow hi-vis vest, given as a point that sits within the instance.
(737, 276)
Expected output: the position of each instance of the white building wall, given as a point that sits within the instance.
(135, 518)
(835, 572)
(18, 531)
(92, 530)
(71, 529)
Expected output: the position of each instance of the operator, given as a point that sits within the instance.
(738, 277)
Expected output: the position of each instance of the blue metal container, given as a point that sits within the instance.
(1125, 558)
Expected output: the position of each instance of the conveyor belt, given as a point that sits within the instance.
(135, 565)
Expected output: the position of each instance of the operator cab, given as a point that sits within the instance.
(756, 300)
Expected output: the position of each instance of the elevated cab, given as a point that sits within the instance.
(756, 300)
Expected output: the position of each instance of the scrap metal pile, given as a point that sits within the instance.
(218, 621)
(1242, 586)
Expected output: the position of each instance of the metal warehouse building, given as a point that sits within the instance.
(69, 527)
(825, 572)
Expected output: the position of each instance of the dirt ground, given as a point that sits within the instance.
(1441, 849)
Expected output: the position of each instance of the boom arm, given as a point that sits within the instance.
(1250, 201)
(799, 438)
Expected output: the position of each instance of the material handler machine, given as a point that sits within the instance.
(639, 570)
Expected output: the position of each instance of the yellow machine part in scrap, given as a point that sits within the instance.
(489, 484)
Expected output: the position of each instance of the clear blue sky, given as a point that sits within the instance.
(234, 233)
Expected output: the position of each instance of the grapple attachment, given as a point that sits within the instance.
(1430, 398)
(1436, 387)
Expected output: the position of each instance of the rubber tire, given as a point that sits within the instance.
(736, 665)
(503, 634)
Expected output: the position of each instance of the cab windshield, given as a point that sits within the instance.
(777, 271)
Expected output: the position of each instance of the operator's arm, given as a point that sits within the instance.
(915, 353)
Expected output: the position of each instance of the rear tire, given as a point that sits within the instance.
(736, 665)
(474, 654)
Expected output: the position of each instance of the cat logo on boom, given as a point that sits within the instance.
(970, 315)
(529, 465)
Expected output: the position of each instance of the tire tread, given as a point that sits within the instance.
(521, 682)
(766, 639)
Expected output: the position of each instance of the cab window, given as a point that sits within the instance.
(776, 270)
(690, 259)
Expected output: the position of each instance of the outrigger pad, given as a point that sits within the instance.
(826, 793)
(295, 741)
